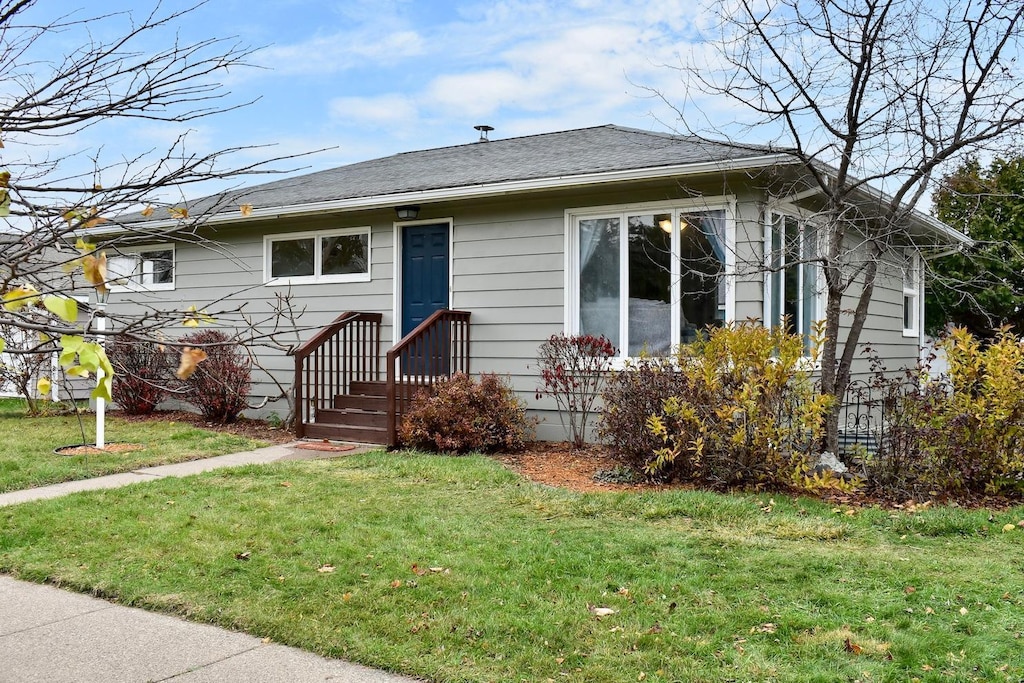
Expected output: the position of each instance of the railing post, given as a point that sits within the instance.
(300, 408)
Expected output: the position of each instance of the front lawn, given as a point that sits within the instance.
(27, 457)
(455, 569)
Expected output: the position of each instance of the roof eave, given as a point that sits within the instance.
(474, 191)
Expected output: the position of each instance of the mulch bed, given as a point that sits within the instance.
(325, 446)
(86, 449)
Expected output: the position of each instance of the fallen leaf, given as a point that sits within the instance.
(909, 589)
(655, 629)
(601, 611)
(1009, 527)
(963, 611)
(417, 570)
(244, 557)
(765, 628)
(326, 569)
(852, 647)
(286, 484)
(346, 597)
(396, 584)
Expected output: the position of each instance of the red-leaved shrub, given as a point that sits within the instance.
(220, 385)
(143, 375)
(461, 414)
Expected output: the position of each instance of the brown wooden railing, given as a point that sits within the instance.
(438, 347)
(346, 351)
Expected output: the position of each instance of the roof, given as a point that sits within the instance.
(565, 158)
(571, 158)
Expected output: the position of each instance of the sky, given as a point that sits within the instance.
(363, 79)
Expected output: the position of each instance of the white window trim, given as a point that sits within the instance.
(317, 236)
(132, 286)
(676, 208)
(805, 218)
(912, 289)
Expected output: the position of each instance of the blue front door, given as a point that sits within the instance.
(424, 273)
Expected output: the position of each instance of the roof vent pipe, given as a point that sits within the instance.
(484, 130)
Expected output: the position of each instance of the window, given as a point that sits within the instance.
(144, 269)
(792, 288)
(648, 280)
(335, 256)
(911, 271)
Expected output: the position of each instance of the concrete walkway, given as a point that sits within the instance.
(48, 634)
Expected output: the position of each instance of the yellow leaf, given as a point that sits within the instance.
(19, 297)
(194, 317)
(191, 322)
(190, 359)
(246, 210)
(326, 569)
(179, 213)
(148, 211)
(1009, 527)
(95, 270)
(3, 345)
(5, 203)
(97, 187)
(93, 222)
(43, 385)
(83, 246)
(64, 307)
(77, 371)
(5, 178)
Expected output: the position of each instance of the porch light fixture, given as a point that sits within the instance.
(407, 212)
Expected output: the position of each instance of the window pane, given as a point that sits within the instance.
(791, 300)
(291, 258)
(345, 254)
(123, 270)
(908, 312)
(157, 267)
(599, 278)
(650, 285)
(775, 316)
(702, 262)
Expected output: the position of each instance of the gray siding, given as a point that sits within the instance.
(508, 269)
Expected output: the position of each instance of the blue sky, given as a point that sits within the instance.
(372, 78)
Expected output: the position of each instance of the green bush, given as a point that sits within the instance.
(750, 416)
(461, 414)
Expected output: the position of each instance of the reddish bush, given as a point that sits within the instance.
(143, 375)
(572, 369)
(461, 414)
(220, 385)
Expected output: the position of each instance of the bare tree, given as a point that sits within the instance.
(870, 98)
(54, 187)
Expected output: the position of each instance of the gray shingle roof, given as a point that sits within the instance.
(562, 154)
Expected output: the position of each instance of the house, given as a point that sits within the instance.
(475, 254)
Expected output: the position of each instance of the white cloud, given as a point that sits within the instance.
(379, 111)
(326, 54)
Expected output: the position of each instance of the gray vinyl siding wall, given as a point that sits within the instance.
(508, 266)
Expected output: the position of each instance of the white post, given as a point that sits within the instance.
(101, 405)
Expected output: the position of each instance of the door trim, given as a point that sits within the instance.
(396, 304)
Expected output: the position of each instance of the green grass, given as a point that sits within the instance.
(27, 457)
(705, 587)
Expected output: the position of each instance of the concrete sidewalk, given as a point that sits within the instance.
(51, 635)
(48, 634)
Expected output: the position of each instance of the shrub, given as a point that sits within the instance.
(750, 414)
(461, 414)
(572, 369)
(963, 434)
(630, 397)
(143, 375)
(21, 366)
(220, 385)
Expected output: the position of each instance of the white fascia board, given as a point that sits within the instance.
(480, 191)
